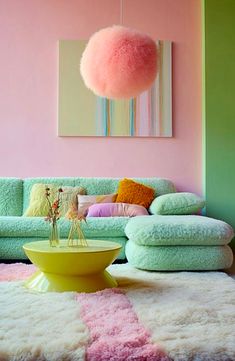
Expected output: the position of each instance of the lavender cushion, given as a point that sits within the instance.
(116, 210)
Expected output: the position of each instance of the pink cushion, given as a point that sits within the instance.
(116, 210)
(85, 201)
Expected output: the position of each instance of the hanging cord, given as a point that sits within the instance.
(121, 12)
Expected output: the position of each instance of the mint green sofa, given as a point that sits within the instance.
(16, 230)
(157, 243)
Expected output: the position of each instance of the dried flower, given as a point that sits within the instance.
(53, 214)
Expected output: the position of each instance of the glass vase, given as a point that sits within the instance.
(76, 236)
(54, 235)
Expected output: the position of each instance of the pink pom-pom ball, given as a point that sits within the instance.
(119, 62)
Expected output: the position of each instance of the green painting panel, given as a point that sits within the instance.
(77, 104)
(219, 108)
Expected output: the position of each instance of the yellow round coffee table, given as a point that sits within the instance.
(76, 268)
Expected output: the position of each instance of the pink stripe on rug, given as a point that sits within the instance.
(16, 271)
(116, 334)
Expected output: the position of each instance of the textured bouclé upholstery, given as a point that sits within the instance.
(178, 230)
(179, 258)
(147, 233)
(38, 227)
(177, 203)
(97, 185)
(11, 197)
(11, 248)
(14, 200)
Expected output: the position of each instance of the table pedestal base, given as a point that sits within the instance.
(49, 282)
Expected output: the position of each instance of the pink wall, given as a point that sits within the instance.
(29, 145)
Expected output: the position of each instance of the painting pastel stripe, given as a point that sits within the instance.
(134, 112)
(104, 116)
(98, 118)
(111, 114)
(115, 331)
(108, 116)
(137, 116)
(166, 89)
(132, 117)
(144, 126)
(160, 87)
(149, 113)
(153, 108)
(101, 117)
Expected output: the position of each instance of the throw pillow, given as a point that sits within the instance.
(116, 210)
(84, 202)
(133, 192)
(176, 204)
(69, 198)
(38, 205)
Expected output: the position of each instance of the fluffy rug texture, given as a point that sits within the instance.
(152, 316)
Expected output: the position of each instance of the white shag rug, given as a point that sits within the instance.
(188, 316)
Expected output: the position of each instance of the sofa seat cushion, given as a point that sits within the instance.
(12, 248)
(38, 227)
(179, 258)
(178, 230)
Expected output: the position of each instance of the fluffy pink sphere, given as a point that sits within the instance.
(119, 62)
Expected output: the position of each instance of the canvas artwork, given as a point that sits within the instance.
(82, 113)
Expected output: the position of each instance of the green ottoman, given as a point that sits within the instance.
(173, 243)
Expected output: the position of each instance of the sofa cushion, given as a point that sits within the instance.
(133, 192)
(176, 203)
(38, 227)
(116, 210)
(178, 230)
(11, 196)
(178, 258)
(97, 185)
(69, 198)
(29, 183)
(39, 207)
(85, 201)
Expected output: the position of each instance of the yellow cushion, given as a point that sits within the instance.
(132, 192)
(38, 205)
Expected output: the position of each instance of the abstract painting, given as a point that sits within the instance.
(81, 113)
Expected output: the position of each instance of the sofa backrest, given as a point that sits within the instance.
(96, 185)
(11, 197)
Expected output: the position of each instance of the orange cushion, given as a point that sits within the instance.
(134, 193)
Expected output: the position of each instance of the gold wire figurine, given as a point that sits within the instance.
(76, 236)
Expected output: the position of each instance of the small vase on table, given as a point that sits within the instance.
(53, 216)
(54, 235)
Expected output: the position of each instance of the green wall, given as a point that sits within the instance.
(219, 108)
